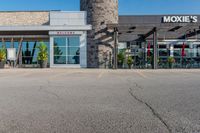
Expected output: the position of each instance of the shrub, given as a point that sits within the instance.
(43, 52)
(129, 62)
(2, 54)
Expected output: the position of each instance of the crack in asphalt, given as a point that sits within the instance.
(157, 115)
(49, 92)
(138, 86)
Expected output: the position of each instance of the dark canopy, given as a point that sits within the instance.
(133, 28)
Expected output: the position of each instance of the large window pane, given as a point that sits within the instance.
(73, 60)
(73, 41)
(58, 51)
(59, 59)
(7, 44)
(73, 51)
(30, 51)
(60, 41)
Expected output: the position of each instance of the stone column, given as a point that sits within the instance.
(100, 42)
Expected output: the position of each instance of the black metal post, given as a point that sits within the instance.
(155, 50)
(19, 54)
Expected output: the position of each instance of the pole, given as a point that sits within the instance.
(3, 43)
(155, 50)
(115, 47)
(12, 43)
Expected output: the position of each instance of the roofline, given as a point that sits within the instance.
(42, 11)
(130, 15)
(47, 28)
(30, 11)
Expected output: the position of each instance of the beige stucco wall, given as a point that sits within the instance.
(23, 18)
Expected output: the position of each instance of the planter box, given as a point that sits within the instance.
(42, 64)
(2, 64)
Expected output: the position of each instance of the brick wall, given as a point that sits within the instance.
(23, 18)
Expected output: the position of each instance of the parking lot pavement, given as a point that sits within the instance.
(99, 101)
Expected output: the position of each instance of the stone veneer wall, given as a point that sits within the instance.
(100, 13)
(24, 18)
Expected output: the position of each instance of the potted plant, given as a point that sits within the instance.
(121, 57)
(129, 62)
(42, 55)
(150, 61)
(2, 57)
(171, 61)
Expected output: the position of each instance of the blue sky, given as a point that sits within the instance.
(125, 6)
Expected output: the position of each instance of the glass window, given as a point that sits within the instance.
(73, 42)
(73, 51)
(60, 51)
(8, 44)
(66, 50)
(60, 42)
(30, 52)
(73, 60)
(59, 59)
(16, 46)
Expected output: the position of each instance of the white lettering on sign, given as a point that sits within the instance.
(65, 33)
(180, 19)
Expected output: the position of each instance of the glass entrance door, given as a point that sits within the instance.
(66, 50)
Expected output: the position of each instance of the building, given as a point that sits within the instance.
(153, 41)
(94, 36)
(63, 32)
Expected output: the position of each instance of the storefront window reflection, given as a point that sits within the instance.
(186, 57)
(142, 53)
(67, 50)
(29, 49)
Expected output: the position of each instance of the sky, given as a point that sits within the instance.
(126, 7)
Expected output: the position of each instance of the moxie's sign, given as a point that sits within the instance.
(180, 19)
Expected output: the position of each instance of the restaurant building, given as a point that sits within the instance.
(152, 41)
(64, 33)
(95, 37)
(155, 41)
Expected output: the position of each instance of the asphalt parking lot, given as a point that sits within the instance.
(99, 101)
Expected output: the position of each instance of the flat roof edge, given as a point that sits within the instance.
(30, 11)
(138, 15)
(46, 28)
(42, 11)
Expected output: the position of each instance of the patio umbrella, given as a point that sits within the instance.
(183, 50)
(149, 50)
